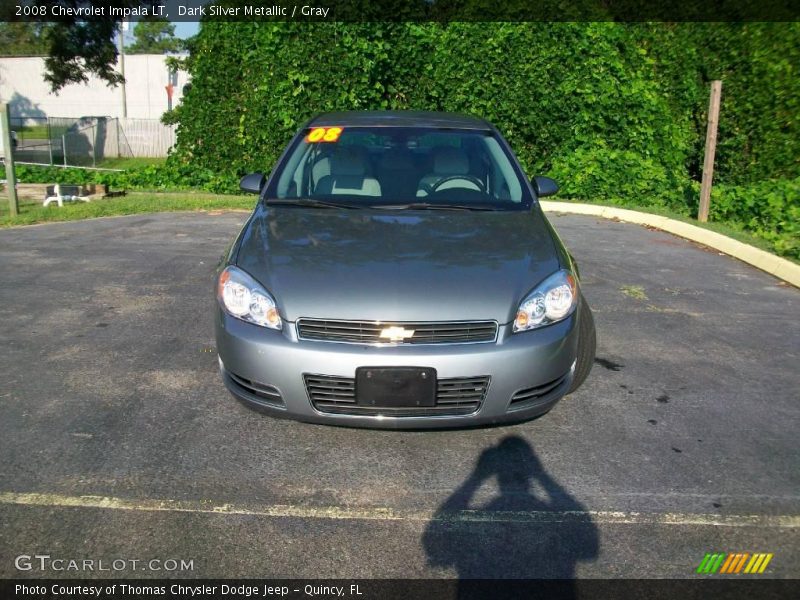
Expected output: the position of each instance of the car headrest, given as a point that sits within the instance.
(348, 162)
(450, 161)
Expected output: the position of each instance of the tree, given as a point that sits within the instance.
(76, 48)
(79, 48)
(155, 35)
(24, 39)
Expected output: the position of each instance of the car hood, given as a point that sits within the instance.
(393, 265)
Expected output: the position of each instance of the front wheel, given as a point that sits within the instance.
(587, 345)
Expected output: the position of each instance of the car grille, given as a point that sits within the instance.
(534, 395)
(337, 395)
(369, 332)
(264, 393)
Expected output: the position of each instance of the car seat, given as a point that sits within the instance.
(447, 162)
(349, 176)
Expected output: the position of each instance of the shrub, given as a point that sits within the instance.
(142, 178)
(769, 209)
(599, 173)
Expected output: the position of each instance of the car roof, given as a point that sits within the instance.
(400, 118)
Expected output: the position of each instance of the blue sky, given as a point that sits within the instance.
(185, 29)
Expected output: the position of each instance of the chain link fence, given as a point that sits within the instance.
(88, 141)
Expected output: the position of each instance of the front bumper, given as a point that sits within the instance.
(528, 372)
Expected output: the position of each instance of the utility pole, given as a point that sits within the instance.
(122, 27)
(8, 146)
(711, 148)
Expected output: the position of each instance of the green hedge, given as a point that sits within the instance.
(253, 84)
(769, 209)
(759, 131)
(553, 89)
(150, 178)
(147, 178)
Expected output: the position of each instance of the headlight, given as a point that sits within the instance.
(244, 298)
(553, 300)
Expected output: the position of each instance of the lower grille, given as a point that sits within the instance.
(369, 332)
(534, 395)
(455, 396)
(264, 393)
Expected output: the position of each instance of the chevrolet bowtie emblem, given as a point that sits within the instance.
(396, 334)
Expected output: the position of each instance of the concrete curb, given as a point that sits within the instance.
(774, 265)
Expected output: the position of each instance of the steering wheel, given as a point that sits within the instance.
(435, 187)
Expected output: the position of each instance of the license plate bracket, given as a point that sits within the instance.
(396, 387)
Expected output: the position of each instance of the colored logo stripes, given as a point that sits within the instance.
(733, 563)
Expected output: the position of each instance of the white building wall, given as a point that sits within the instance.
(22, 85)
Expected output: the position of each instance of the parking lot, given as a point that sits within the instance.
(118, 439)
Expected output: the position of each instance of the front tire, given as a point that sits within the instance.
(587, 345)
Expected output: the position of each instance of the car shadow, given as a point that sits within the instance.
(521, 533)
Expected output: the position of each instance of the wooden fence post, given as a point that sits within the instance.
(8, 151)
(711, 148)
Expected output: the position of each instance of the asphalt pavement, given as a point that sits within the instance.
(119, 441)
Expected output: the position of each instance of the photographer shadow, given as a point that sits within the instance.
(518, 534)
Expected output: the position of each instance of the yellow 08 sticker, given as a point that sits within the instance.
(324, 134)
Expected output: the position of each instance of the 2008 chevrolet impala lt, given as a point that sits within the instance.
(398, 272)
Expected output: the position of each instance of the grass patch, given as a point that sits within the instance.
(121, 163)
(40, 132)
(730, 230)
(31, 212)
(31, 132)
(135, 162)
(634, 291)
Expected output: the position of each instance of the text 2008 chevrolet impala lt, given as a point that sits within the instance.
(398, 272)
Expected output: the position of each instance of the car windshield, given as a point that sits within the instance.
(399, 167)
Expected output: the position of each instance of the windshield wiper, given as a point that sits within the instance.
(429, 206)
(310, 203)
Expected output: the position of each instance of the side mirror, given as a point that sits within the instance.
(544, 186)
(252, 183)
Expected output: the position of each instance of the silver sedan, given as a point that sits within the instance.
(398, 272)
